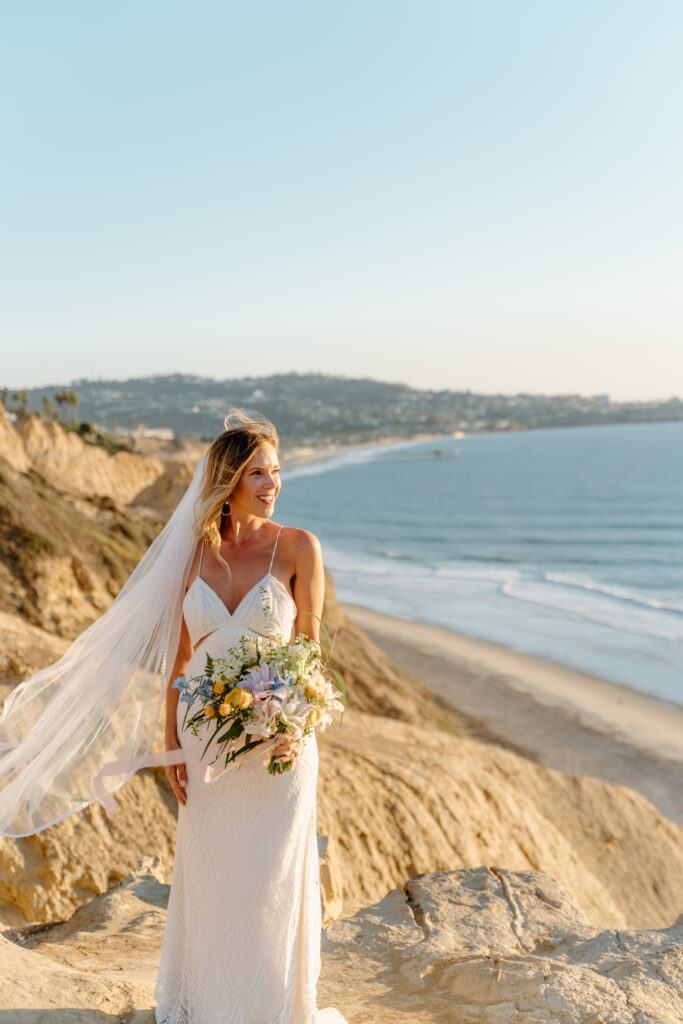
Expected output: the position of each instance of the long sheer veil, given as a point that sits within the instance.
(101, 701)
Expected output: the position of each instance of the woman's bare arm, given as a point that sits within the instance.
(309, 584)
(309, 594)
(176, 773)
(182, 660)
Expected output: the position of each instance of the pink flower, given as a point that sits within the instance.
(264, 682)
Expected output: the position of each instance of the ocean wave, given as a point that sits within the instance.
(613, 590)
(618, 608)
(599, 608)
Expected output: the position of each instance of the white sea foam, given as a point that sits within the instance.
(631, 617)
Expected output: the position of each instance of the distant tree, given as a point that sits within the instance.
(48, 408)
(61, 397)
(4, 395)
(70, 399)
(75, 402)
(20, 400)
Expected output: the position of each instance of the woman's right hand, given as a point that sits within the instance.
(286, 749)
(176, 773)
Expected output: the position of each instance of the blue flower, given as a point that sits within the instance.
(178, 682)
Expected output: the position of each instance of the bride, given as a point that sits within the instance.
(241, 943)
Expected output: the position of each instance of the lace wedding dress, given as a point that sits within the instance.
(241, 943)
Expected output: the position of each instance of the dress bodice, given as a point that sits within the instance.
(268, 609)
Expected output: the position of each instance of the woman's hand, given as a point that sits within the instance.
(286, 749)
(176, 773)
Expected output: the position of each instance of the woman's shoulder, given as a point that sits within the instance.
(299, 541)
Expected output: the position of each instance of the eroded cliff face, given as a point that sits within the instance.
(63, 557)
(395, 800)
(68, 463)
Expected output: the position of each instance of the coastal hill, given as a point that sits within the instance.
(317, 408)
(407, 787)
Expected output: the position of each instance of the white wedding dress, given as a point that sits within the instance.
(241, 943)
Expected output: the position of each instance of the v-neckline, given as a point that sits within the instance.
(250, 591)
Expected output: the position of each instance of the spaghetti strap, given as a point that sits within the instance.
(201, 555)
(272, 557)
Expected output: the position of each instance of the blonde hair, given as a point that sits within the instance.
(227, 458)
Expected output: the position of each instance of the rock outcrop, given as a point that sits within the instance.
(491, 946)
(482, 945)
(164, 493)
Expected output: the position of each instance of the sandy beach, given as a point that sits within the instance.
(555, 716)
(300, 455)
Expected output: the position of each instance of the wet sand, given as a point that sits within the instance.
(557, 716)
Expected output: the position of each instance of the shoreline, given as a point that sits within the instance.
(557, 716)
(306, 455)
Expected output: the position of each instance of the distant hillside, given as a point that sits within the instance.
(314, 408)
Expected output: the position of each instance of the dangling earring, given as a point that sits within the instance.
(226, 507)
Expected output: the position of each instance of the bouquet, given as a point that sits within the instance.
(259, 689)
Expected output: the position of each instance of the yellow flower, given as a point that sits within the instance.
(315, 717)
(225, 709)
(240, 698)
(219, 688)
(209, 711)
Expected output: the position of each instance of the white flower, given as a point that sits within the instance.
(249, 646)
(264, 717)
(297, 657)
(294, 714)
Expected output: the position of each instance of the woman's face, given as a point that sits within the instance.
(259, 484)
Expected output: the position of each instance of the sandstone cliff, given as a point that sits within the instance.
(68, 463)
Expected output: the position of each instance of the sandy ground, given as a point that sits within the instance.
(556, 716)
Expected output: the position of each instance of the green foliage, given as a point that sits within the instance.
(128, 531)
(30, 545)
(35, 477)
(91, 435)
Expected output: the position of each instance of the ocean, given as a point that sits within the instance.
(562, 543)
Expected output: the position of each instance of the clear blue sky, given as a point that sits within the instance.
(480, 195)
